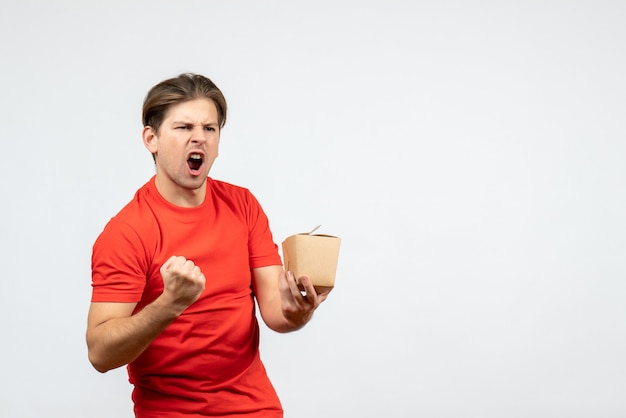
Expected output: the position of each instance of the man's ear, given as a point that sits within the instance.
(149, 139)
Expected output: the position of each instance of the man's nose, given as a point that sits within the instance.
(198, 134)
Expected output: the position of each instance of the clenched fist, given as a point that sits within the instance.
(183, 282)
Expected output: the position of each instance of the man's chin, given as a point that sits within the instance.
(194, 183)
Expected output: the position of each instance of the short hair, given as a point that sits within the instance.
(185, 87)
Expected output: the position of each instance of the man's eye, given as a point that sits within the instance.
(209, 128)
(183, 127)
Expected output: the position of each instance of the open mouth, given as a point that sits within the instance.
(194, 162)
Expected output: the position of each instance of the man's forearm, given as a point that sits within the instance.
(118, 341)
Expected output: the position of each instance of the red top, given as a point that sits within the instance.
(206, 362)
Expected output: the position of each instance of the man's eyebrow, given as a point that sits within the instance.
(182, 122)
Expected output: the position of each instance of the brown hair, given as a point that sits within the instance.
(180, 89)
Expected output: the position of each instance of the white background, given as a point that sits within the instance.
(471, 155)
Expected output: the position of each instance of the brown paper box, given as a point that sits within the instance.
(314, 256)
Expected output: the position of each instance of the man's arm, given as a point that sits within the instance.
(282, 305)
(116, 337)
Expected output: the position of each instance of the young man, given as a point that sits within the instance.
(176, 271)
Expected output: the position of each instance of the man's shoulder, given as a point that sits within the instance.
(137, 213)
(229, 192)
(215, 184)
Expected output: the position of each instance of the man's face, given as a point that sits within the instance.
(185, 148)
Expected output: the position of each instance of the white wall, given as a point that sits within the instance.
(470, 154)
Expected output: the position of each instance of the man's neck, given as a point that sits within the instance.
(180, 196)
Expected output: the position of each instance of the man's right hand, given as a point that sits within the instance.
(183, 282)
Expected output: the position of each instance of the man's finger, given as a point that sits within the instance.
(311, 294)
(169, 262)
(293, 287)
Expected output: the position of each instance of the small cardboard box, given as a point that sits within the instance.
(314, 256)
